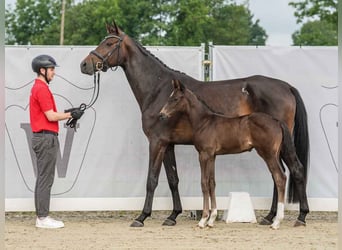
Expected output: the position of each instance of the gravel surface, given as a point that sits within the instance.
(111, 230)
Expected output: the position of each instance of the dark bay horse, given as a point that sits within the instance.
(150, 79)
(215, 134)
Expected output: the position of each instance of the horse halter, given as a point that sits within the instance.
(103, 65)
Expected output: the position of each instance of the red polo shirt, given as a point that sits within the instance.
(41, 100)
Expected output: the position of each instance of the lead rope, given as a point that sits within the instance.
(71, 122)
(94, 97)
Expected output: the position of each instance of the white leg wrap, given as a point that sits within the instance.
(279, 217)
(212, 218)
(203, 222)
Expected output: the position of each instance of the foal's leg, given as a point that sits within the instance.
(212, 185)
(157, 150)
(268, 220)
(172, 177)
(205, 172)
(279, 178)
(273, 212)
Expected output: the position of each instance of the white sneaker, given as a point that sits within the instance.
(48, 222)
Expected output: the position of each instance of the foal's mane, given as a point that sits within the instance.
(204, 103)
(146, 52)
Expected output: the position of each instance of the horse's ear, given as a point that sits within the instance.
(112, 28)
(115, 27)
(174, 84)
(181, 87)
(178, 85)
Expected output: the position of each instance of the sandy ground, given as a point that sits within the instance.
(111, 230)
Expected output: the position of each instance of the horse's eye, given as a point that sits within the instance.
(109, 44)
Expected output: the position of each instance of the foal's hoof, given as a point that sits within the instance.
(169, 222)
(265, 222)
(137, 223)
(300, 223)
(211, 225)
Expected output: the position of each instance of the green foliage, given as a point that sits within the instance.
(315, 33)
(153, 22)
(319, 18)
(85, 22)
(189, 23)
(232, 25)
(26, 24)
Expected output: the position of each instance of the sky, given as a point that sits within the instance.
(275, 16)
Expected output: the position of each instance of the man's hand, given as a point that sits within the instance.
(77, 113)
(70, 110)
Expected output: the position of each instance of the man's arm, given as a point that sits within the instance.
(53, 116)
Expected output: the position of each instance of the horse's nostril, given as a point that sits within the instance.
(162, 116)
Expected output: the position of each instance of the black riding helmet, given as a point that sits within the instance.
(43, 61)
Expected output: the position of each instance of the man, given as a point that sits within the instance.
(44, 124)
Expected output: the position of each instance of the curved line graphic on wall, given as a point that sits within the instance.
(21, 153)
(325, 108)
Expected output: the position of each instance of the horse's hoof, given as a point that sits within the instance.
(275, 225)
(300, 223)
(169, 222)
(137, 223)
(265, 222)
(201, 226)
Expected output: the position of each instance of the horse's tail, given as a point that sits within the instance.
(301, 141)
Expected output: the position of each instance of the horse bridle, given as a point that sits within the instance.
(103, 65)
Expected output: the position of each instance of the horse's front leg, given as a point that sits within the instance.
(204, 159)
(156, 151)
(172, 177)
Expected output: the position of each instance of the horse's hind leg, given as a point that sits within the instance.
(298, 175)
(172, 177)
(297, 172)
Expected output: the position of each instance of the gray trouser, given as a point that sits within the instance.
(46, 147)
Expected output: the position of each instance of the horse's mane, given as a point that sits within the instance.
(146, 52)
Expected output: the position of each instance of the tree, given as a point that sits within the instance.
(315, 33)
(85, 22)
(233, 25)
(146, 21)
(152, 22)
(27, 22)
(189, 23)
(319, 18)
(221, 22)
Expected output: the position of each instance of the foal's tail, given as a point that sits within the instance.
(301, 141)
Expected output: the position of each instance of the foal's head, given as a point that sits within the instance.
(176, 102)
